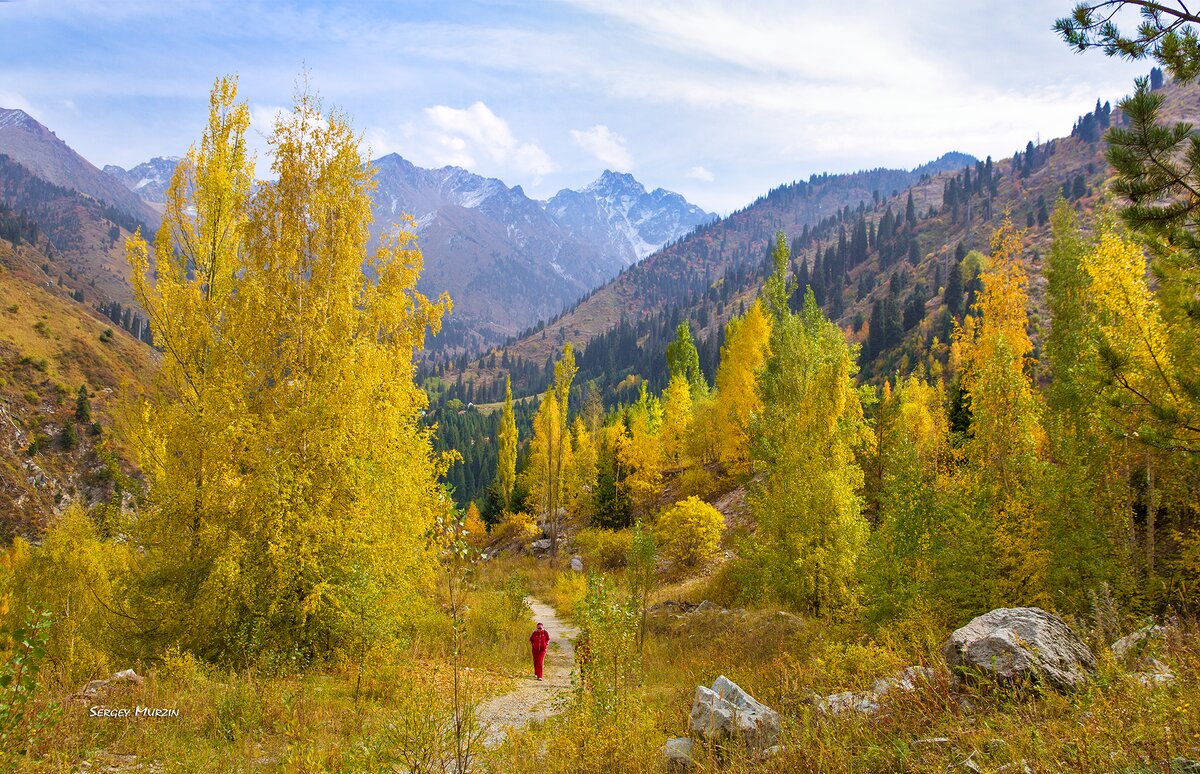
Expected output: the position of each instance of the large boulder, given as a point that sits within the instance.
(1015, 643)
(725, 711)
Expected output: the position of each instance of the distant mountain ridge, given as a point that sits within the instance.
(27, 142)
(708, 263)
(149, 180)
(506, 259)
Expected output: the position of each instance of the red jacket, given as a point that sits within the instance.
(539, 639)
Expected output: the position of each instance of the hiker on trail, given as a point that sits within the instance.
(539, 640)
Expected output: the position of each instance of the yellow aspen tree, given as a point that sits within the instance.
(581, 472)
(1007, 440)
(312, 538)
(811, 528)
(743, 356)
(560, 452)
(676, 421)
(640, 454)
(539, 461)
(913, 454)
(507, 457)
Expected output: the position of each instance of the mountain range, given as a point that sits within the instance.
(506, 260)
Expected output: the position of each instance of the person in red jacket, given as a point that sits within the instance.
(539, 640)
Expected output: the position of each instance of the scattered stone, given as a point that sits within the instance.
(677, 754)
(1154, 672)
(908, 680)
(726, 711)
(933, 741)
(1136, 641)
(870, 702)
(835, 704)
(707, 606)
(127, 676)
(673, 606)
(97, 688)
(577, 563)
(1018, 643)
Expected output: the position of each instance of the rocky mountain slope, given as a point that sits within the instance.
(879, 261)
(149, 180)
(56, 448)
(40, 151)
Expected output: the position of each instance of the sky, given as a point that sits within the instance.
(718, 100)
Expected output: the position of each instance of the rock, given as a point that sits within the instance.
(677, 754)
(1018, 643)
(707, 606)
(848, 701)
(540, 545)
(933, 741)
(1154, 672)
(1136, 641)
(97, 688)
(908, 680)
(726, 711)
(577, 563)
(126, 676)
(771, 752)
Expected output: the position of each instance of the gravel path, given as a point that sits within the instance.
(533, 700)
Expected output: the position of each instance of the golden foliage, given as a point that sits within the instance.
(290, 482)
(689, 532)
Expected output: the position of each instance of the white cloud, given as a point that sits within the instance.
(606, 145)
(461, 136)
(263, 117)
(700, 173)
(14, 101)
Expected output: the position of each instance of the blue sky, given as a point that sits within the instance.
(720, 101)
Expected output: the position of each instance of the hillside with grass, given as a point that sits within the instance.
(64, 371)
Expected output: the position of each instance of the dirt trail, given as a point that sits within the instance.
(533, 700)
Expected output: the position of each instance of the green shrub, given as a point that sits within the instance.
(24, 651)
(603, 549)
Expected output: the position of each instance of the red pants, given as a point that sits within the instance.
(539, 658)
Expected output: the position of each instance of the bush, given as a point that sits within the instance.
(70, 574)
(698, 482)
(604, 549)
(689, 532)
(517, 526)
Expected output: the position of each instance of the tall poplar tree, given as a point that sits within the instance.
(811, 528)
(290, 482)
(507, 457)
